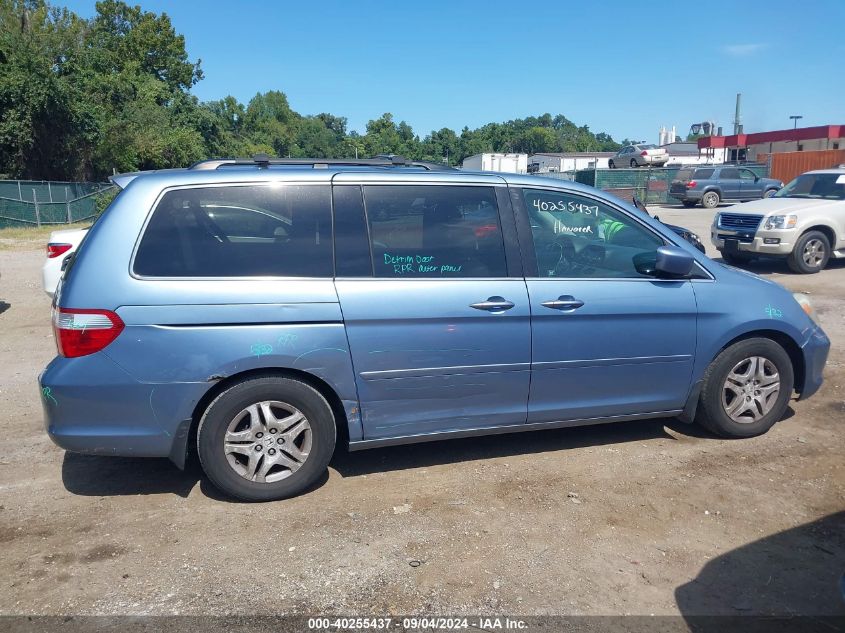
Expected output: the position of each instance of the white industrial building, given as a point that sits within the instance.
(492, 161)
(556, 162)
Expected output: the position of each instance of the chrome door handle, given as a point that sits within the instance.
(563, 302)
(493, 304)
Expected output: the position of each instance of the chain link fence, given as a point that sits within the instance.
(35, 202)
(651, 185)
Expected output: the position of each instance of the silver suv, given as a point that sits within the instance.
(804, 222)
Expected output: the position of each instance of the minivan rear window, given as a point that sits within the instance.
(239, 231)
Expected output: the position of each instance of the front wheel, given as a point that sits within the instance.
(811, 252)
(746, 389)
(266, 438)
(710, 200)
(769, 193)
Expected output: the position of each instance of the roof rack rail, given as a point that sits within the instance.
(263, 161)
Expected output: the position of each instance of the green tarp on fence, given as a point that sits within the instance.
(26, 202)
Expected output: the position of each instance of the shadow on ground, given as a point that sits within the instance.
(797, 572)
(485, 447)
(91, 475)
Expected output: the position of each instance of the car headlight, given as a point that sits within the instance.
(804, 301)
(781, 222)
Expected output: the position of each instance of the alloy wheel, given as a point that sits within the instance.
(814, 252)
(268, 441)
(751, 389)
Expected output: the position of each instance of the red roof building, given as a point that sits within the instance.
(803, 139)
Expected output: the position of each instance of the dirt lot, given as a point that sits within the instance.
(635, 518)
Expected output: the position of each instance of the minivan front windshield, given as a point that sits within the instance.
(816, 186)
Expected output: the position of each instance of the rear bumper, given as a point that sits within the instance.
(815, 352)
(93, 406)
(686, 196)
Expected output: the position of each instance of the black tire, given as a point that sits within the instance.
(689, 203)
(611, 164)
(810, 254)
(711, 200)
(235, 399)
(736, 259)
(634, 164)
(768, 193)
(711, 412)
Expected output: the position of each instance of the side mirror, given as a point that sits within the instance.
(673, 261)
(756, 178)
(666, 261)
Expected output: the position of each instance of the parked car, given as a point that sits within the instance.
(391, 303)
(687, 234)
(803, 222)
(60, 248)
(713, 185)
(639, 155)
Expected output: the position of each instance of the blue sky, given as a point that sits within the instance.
(620, 66)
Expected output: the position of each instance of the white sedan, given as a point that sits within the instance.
(62, 244)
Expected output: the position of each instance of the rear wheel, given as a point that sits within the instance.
(746, 389)
(611, 164)
(633, 163)
(266, 438)
(710, 200)
(811, 252)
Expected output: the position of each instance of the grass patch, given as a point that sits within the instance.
(28, 237)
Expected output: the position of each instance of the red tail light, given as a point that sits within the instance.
(54, 249)
(644, 153)
(691, 184)
(83, 332)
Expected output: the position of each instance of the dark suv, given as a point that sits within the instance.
(712, 185)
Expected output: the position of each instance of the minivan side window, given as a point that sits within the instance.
(747, 174)
(239, 231)
(434, 231)
(729, 173)
(582, 238)
(703, 174)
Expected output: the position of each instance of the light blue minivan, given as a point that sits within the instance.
(263, 311)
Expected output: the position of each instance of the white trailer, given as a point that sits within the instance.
(509, 163)
(545, 163)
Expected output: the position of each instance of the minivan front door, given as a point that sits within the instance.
(606, 339)
(440, 333)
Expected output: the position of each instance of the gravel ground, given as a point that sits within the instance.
(635, 518)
